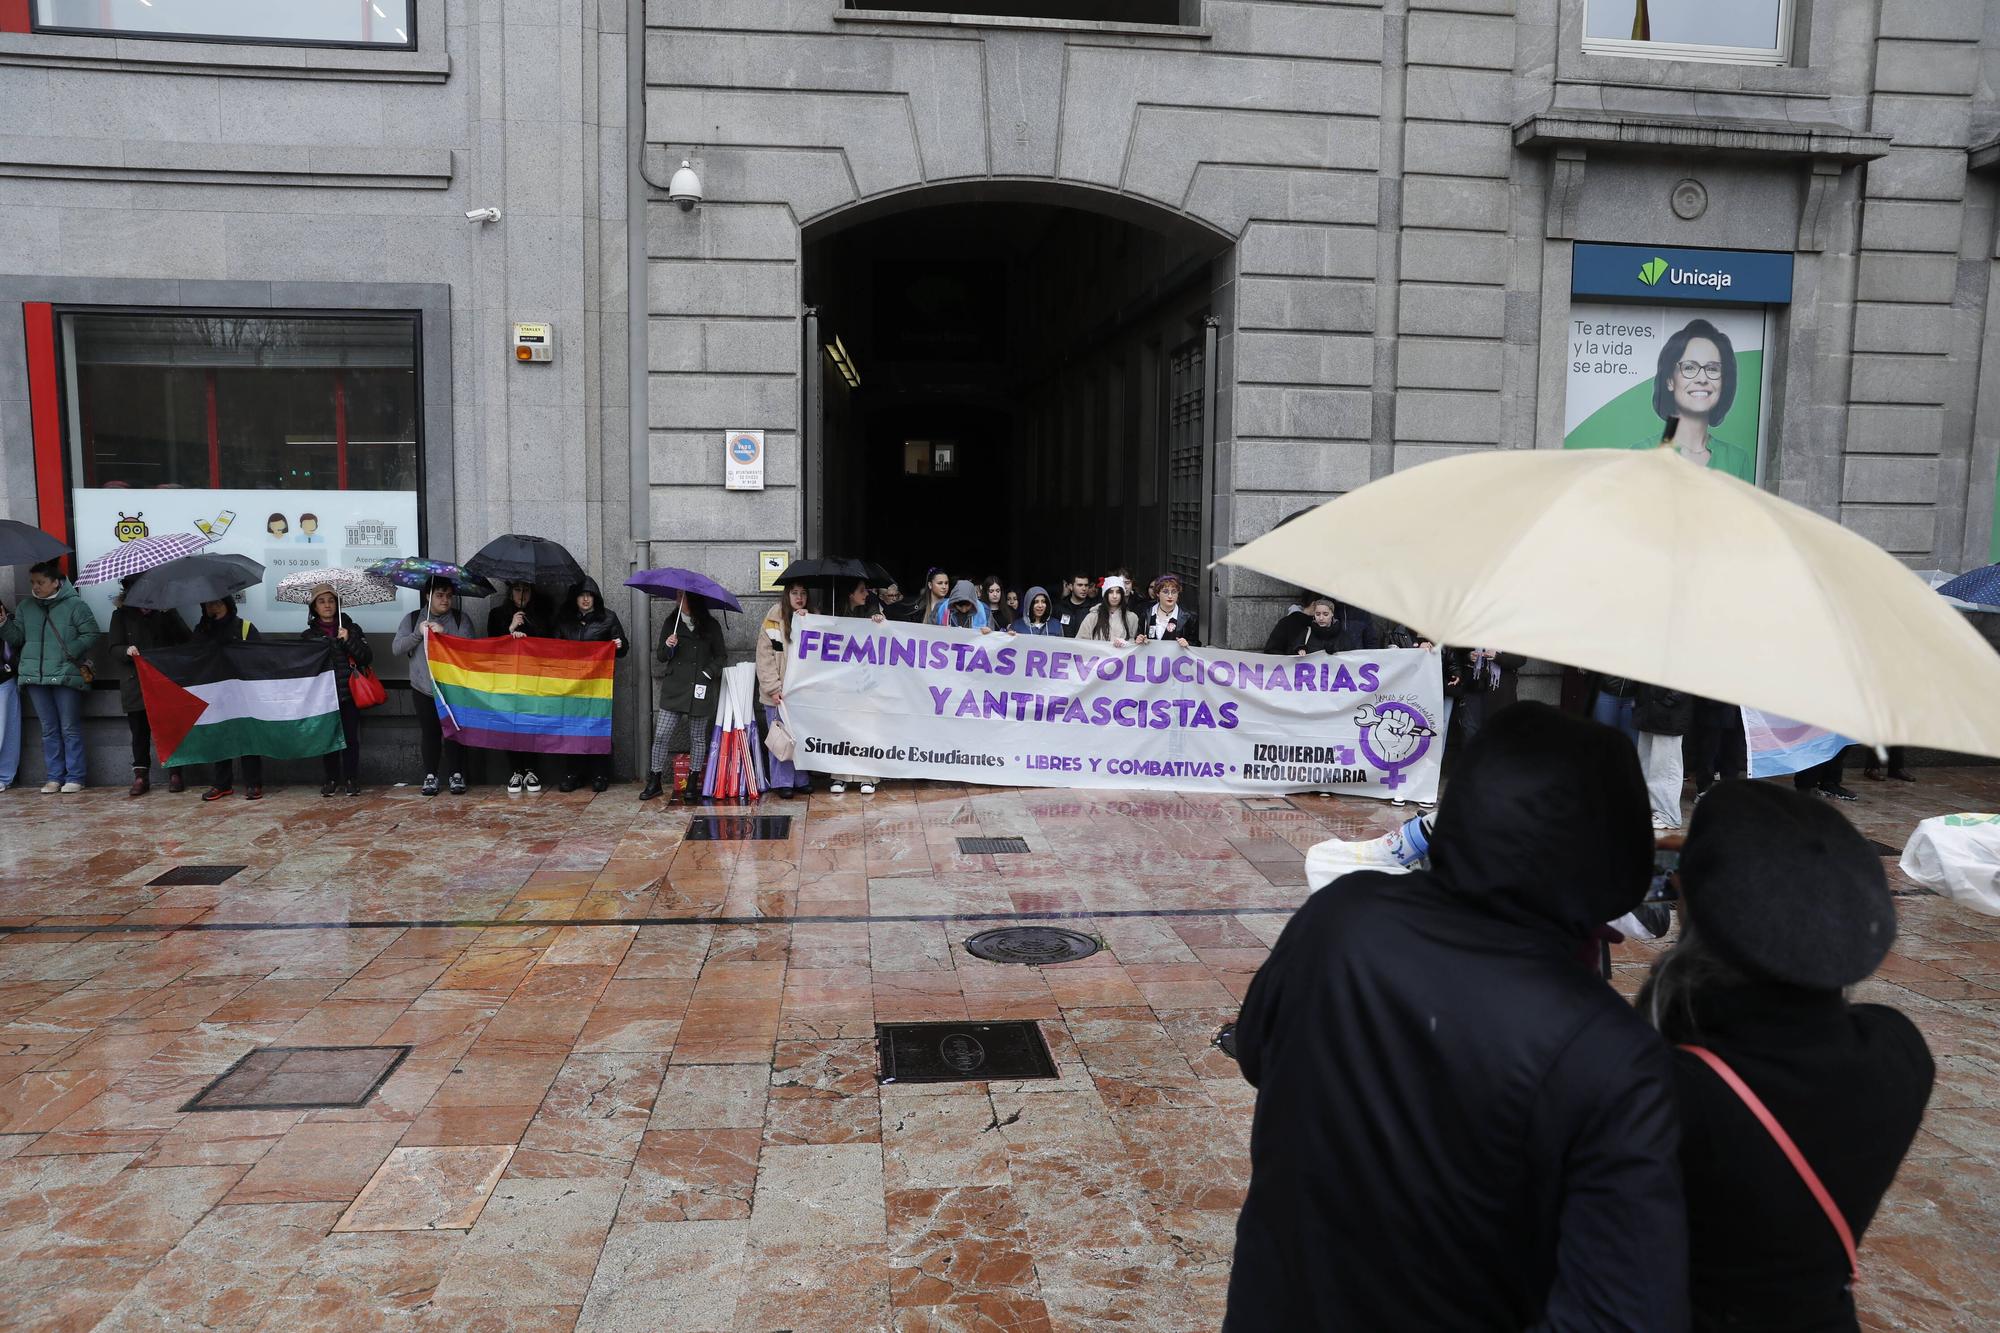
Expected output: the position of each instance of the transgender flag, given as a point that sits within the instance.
(548, 696)
(1778, 745)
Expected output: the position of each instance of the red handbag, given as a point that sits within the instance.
(366, 687)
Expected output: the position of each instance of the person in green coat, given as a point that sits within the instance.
(53, 633)
(135, 630)
(687, 663)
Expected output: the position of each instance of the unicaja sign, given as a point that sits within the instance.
(1656, 268)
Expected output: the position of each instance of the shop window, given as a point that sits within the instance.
(293, 439)
(369, 23)
(1176, 13)
(1748, 32)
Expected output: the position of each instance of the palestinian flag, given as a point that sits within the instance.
(223, 699)
(549, 696)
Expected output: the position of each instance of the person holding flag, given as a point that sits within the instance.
(413, 641)
(351, 653)
(220, 623)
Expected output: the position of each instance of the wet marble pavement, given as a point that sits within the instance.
(630, 1077)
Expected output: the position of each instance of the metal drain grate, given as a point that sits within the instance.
(1033, 945)
(991, 846)
(301, 1078)
(181, 875)
(739, 828)
(962, 1052)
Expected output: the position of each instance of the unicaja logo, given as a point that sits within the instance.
(1656, 268)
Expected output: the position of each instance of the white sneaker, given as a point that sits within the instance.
(1660, 824)
(51, 788)
(71, 788)
(514, 784)
(534, 785)
(837, 788)
(5, 785)
(1393, 853)
(867, 789)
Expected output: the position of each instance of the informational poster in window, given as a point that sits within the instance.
(1637, 372)
(285, 531)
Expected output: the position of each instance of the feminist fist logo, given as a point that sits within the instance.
(1393, 736)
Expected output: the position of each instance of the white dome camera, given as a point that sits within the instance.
(685, 188)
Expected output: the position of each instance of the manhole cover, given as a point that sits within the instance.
(991, 846)
(962, 1052)
(1033, 945)
(739, 828)
(1226, 1039)
(193, 875)
(300, 1078)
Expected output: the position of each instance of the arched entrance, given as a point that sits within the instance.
(1011, 380)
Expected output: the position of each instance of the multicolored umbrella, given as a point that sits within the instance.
(351, 586)
(137, 557)
(672, 581)
(25, 544)
(1980, 587)
(414, 571)
(193, 579)
(518, 558)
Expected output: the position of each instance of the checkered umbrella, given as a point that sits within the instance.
(351, 586)
(137, 557)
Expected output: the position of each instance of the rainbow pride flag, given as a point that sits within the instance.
(548, 696)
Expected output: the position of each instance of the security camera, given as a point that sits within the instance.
(482, 215)
(685, 188)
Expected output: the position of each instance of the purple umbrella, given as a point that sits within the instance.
(139, 556)
(670, 582)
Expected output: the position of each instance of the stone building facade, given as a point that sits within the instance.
(1325, 241)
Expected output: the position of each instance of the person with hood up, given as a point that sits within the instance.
(586, 619)
(1112, 618)
(1037, 615)
(963, 609)
(135, 630)
(52, 634)
(219, 620)
(1167, 621)
(687, 663)
(1458, 1125)
(774, 643)
(351, 653)
(1783, 905)
(413, 636)
(10, 715)
(523, 615)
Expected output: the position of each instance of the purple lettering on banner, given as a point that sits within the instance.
(1037, 664)
(939, 693)
(1371, 676)
(1341, 680)
(830, 645)
(1108, 668)
(807, 638)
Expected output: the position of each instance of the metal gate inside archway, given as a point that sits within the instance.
(1022, 389)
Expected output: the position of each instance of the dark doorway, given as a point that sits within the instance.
(1010, 388)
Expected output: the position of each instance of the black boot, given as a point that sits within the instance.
(652, 788)
(692, 795)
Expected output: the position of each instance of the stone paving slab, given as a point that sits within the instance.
(640, 1083)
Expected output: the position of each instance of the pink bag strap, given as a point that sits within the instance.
(1791, 1151)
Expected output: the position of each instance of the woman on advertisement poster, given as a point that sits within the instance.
(1692, 393)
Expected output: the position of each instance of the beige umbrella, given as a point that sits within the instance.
(1640, 564)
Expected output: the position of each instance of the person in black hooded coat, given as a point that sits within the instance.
(586, 619)
(1458, 1125)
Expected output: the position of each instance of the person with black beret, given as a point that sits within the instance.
(1784, 905)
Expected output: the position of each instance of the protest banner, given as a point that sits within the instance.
(918, 701)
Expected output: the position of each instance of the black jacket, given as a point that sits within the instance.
(1185, 625)
(1069, 614)
(1459, 1126)
(601, 625)
(231, 626)
(1295, 633)
(349, 655)
(132, 627)
(502, 615)
(1849, 1084)
(1663, 712)
(690, 672)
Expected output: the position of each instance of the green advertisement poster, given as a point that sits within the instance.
(1634, 370)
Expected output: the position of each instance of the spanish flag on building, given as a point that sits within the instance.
(548, 696)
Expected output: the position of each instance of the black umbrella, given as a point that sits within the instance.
(517, 558)
(25, 544)
(835, 572)
(193, 579)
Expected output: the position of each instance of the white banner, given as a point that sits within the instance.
(916, 701)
